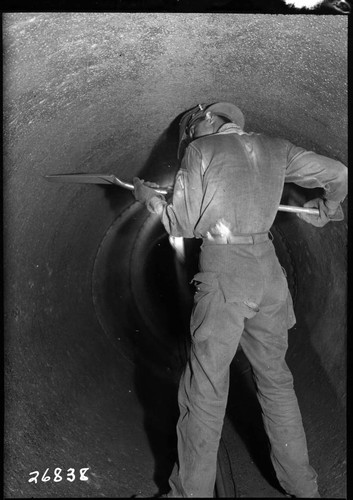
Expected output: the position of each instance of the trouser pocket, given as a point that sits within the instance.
(244, 292)
(206, 306)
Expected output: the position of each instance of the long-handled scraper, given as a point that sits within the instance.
(112, 179)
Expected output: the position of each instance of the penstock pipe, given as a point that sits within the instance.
(112, 179)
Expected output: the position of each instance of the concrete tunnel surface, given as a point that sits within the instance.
(95, 303)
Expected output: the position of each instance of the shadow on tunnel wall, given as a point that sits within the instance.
(162, 161)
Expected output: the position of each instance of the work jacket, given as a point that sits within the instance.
(232, 182)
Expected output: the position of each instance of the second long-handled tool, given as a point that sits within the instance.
(112, 179)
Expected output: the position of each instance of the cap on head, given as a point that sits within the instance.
(227, 109)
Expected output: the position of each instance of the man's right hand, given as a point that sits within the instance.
(143, 191)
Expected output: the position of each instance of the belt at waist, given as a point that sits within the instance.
(235, 239)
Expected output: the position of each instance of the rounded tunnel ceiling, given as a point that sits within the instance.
(96, 304)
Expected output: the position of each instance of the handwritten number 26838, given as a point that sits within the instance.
(70, 475)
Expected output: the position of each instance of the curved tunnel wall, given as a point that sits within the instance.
(86, 92)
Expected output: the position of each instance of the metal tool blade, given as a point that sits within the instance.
(81, 178)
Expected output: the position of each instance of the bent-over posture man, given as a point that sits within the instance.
(227, 192)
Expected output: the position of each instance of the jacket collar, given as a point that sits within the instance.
(230, 128)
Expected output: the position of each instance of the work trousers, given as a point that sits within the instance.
(241, 297)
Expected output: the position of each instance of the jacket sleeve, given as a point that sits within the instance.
(310, 170)
(181, 215)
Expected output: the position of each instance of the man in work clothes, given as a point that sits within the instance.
(227, 192)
